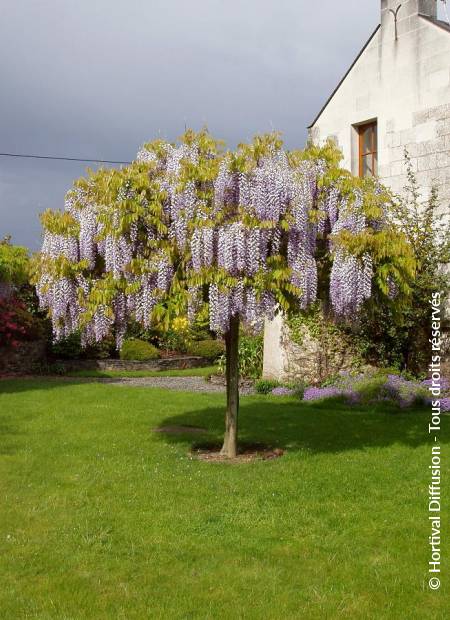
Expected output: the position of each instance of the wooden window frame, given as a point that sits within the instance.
(373, 153)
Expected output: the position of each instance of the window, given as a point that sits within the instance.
(367, 149)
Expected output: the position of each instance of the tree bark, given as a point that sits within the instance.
(229, 447)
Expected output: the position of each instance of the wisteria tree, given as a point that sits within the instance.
(187, 224)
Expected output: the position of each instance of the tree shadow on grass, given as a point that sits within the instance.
(13, 385)
(328, 426)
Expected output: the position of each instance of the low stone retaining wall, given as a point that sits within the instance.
(23, 358)
(165, 363)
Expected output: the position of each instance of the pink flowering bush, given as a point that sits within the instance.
(16, 323)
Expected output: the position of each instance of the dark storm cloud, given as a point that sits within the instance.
(99, 77)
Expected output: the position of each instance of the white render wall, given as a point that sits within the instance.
(405, 85)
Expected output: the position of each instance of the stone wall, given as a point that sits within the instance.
(428, 144)
(166, 363)
(31, 357)
(24, 358)
(312, 361)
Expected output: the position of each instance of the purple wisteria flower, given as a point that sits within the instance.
(232, 225)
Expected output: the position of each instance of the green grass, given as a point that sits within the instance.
(205, 371)
(102, 518)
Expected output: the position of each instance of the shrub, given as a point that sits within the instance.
(138, 350)
(67, 348)
(17, 324)
(297, 388)
(174, 340)
(101, 350)
(404, 393)
(399, 336)
(70, 348)
(14, 263)
(211, 349)
(265, 386)
(250, 357)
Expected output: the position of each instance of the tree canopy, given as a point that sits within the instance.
(14, 263)
(186, 224)
(250, 232)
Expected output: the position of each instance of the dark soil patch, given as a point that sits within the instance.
(246, 453)
(178, 430)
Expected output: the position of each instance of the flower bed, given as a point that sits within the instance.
(378, 387)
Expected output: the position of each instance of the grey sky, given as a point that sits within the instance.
(96, 78)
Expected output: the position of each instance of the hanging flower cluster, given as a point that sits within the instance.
(263, 211)
(238, 231)
(351, 277)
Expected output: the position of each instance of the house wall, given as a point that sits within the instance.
(405, 85)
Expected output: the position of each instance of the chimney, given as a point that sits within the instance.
(410, 7)
(428, 7)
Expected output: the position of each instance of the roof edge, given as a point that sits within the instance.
(346, 74)
(437, 22)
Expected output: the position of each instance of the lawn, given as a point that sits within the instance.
(204, 371)
(102, 518)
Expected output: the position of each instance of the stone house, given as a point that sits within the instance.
(395, 95)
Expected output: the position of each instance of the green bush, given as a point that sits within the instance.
(369, 389)
(265, 386)
(298, 387)
(101, 350)
(14, 263)
(68, 348)
(389, 334)
(211, 349)
(173, 340)
(138, 350)
(250, 357)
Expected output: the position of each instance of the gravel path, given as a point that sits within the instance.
(181, 384)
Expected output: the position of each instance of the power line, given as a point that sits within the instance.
(80, 159)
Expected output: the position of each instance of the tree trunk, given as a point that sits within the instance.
(229, 448)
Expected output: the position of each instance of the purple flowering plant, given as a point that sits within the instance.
(378, 385)
(283, 391)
